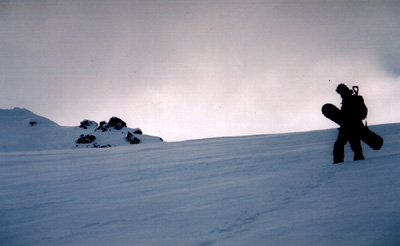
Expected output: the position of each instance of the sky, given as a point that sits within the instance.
(197, 69)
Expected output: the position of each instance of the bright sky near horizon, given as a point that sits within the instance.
(186, 69)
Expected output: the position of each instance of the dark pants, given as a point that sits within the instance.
(353, 137)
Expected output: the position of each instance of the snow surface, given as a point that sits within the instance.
(254, 190)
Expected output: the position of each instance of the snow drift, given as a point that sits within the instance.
(253, 190)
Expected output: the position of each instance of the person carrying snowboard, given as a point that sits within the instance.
(352, 129)
(351, 126)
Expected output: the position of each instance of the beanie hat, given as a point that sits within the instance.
(343, 89)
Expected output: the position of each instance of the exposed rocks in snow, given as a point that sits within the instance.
(114, 122)
(132, 139)
(117, 123)
(85, 139)
(138, 131)
(85, 124)
(109, 137)
(22, 130)
(95, 145)
(102, 126)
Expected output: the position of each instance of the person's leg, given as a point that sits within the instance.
(355, 144)
(338, 147)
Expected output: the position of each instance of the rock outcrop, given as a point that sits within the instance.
(86, 124)
(85, 139)
(132, 139)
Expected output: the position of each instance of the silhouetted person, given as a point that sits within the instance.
(350, 128)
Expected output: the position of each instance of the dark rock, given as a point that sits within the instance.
(85, 124)
(85, 139)
(117, 123)
(32, 122)
(101, 146)
(138, 131)
(102, 126)
(114, 122)
(132, 139)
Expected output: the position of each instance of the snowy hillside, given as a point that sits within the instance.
(253, 190)
(22, 130)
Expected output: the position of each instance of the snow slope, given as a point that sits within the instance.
(18, 135)
(252, 190)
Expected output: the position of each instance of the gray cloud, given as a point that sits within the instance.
(188, 69)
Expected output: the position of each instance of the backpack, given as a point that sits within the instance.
(359, 104)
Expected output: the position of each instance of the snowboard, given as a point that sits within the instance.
(333, 113)
(369, 137)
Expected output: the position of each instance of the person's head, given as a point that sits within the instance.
(343, 90)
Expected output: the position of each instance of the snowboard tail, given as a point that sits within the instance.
(369, 137)
(372, 139)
